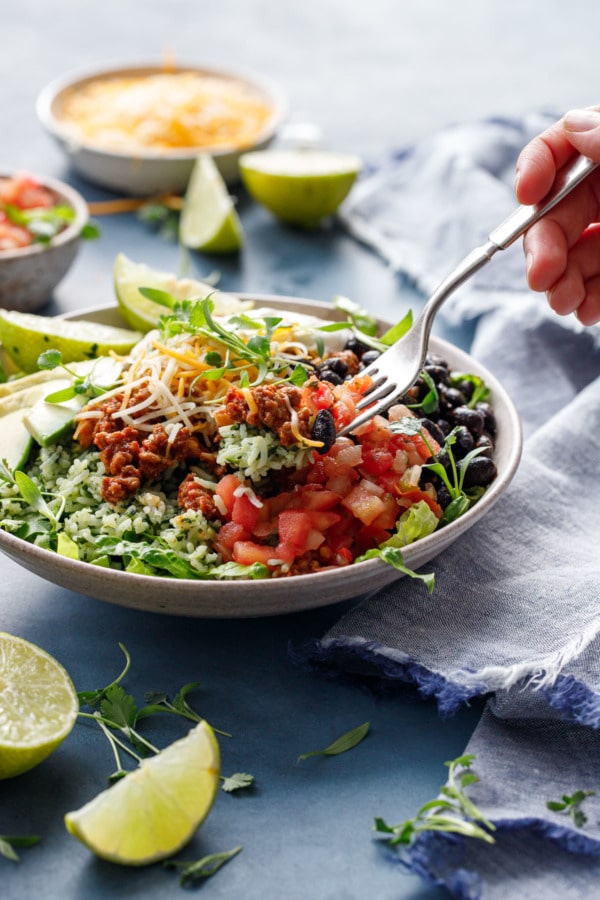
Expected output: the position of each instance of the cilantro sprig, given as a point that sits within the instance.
(452, 811)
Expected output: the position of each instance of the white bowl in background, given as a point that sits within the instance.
(147, 172)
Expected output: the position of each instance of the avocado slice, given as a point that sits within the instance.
(47, 422)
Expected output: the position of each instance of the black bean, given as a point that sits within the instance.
(432, 359)
(369, 357)
(324, 430)
(467, 388)
(438, 373)
(336, 364)
(444, 426)
(450, 397)
(443, 496)
(464, 442)
(472, 419)
(327, 374)
(434, 430)
(356, 346)
(489, 416)
(481, 471)
(484, 440)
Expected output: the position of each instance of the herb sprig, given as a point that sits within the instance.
(452, 812)
(118, 716)
(345, 742)
(571, 804)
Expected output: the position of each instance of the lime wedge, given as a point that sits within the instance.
(142, 313)
(155, 809)
(24, 336)
(301, 187)
(208, 220)
(38, 702)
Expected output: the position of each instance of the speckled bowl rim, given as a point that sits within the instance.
(50, 97)
(245, 599)
(65, 192)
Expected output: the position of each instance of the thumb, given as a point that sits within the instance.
(582, 129)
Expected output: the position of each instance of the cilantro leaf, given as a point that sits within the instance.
(344, 743)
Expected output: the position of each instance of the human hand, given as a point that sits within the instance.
(562, 250)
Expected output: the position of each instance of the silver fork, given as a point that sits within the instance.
(399, 367)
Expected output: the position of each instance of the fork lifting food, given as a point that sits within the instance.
(399, 367)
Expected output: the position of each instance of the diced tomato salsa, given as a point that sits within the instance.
(343, 504)
(22, 192)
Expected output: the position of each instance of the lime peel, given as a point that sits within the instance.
(153, 811)
(25, 336)
(301, 187)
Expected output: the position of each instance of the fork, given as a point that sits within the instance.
(399, 367)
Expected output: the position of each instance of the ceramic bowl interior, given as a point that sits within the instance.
(148, 173)
(243, 599)
(29, 275)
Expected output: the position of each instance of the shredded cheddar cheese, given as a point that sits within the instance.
(169, 111)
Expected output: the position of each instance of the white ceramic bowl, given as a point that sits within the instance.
(242, 599)
(29, 275)
(147, 173)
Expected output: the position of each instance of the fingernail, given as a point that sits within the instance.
(517, 179)
(578, 120)
(528, 262)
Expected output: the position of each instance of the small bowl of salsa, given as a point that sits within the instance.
(41, 223)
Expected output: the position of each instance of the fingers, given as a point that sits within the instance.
(539, 162)
(577, 289)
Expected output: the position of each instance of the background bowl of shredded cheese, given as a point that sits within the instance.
(138, 129)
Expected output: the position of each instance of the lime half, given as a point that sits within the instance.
(155, 809)
(24, 336)
(208, 220)
(301, 187)
(38, 702)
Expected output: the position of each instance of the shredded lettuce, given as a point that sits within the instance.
(417, 522)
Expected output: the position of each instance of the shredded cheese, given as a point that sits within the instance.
(166, 111)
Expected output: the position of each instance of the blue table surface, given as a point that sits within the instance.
(306, 827)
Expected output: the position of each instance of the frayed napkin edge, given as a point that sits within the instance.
(370, 660)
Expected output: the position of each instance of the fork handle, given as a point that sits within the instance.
(519, 221)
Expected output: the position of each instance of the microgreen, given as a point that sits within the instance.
(191, 871)
(344, 743)
(9, 842)
(430, 401)
(571, 804)
(480, 390)
(364, 325)
(452, 811)
(454, 480)
(196, 317)
(117, 714)
(104, 374)
(393, 556)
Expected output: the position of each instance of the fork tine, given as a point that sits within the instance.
(376, 395)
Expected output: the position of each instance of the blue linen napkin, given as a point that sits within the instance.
(515, 614)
